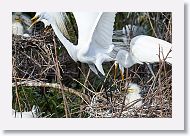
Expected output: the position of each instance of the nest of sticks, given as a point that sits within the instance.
(41, 61)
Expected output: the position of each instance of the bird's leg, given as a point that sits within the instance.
(126, 74)
(151, 70)
(115, 72)
(122, 75)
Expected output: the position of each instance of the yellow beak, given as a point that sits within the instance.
(122, 76)
(130, 90)
(34, 18)
(34, 21)
(18, 20)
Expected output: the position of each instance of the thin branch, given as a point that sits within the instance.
(52, 85)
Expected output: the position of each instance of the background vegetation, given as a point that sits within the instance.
(44, 74)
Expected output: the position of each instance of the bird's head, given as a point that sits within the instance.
(39, 16)
(133, 88)
(121, 59)
(16, 18)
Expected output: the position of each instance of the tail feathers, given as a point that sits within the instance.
(93, 68)
(99, 67)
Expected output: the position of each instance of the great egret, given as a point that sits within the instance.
(133, 95)
(17, 27)
(95, 32)
(30, 114)
(20, 24)
(144, 49)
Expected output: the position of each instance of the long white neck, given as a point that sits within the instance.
(70, 47)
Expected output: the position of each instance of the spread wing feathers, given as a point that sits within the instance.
(60, 19)
(146, 49)
(85, 22)
(103, 31)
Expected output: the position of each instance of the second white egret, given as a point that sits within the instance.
(144, 49)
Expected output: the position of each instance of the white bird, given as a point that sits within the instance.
(17, 27)
(26, 21)
(144, 49)
(30, 114)
(133, 95)
(95, 32)
(20, 24)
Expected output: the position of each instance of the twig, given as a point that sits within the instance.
(151, 25)
(67, 111)
(51, 85)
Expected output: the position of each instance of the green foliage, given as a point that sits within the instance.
(50, 100)
(157, 24)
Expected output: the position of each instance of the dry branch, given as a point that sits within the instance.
(52, 85)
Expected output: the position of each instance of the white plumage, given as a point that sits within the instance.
(144, 49)
(133, 95)
(95, 32)
(17, 27)
(20, 24)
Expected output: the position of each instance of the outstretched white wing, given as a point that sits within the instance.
(101, 39)
(95, 30)
(85, 23)
(101, 36)
(95, 36)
